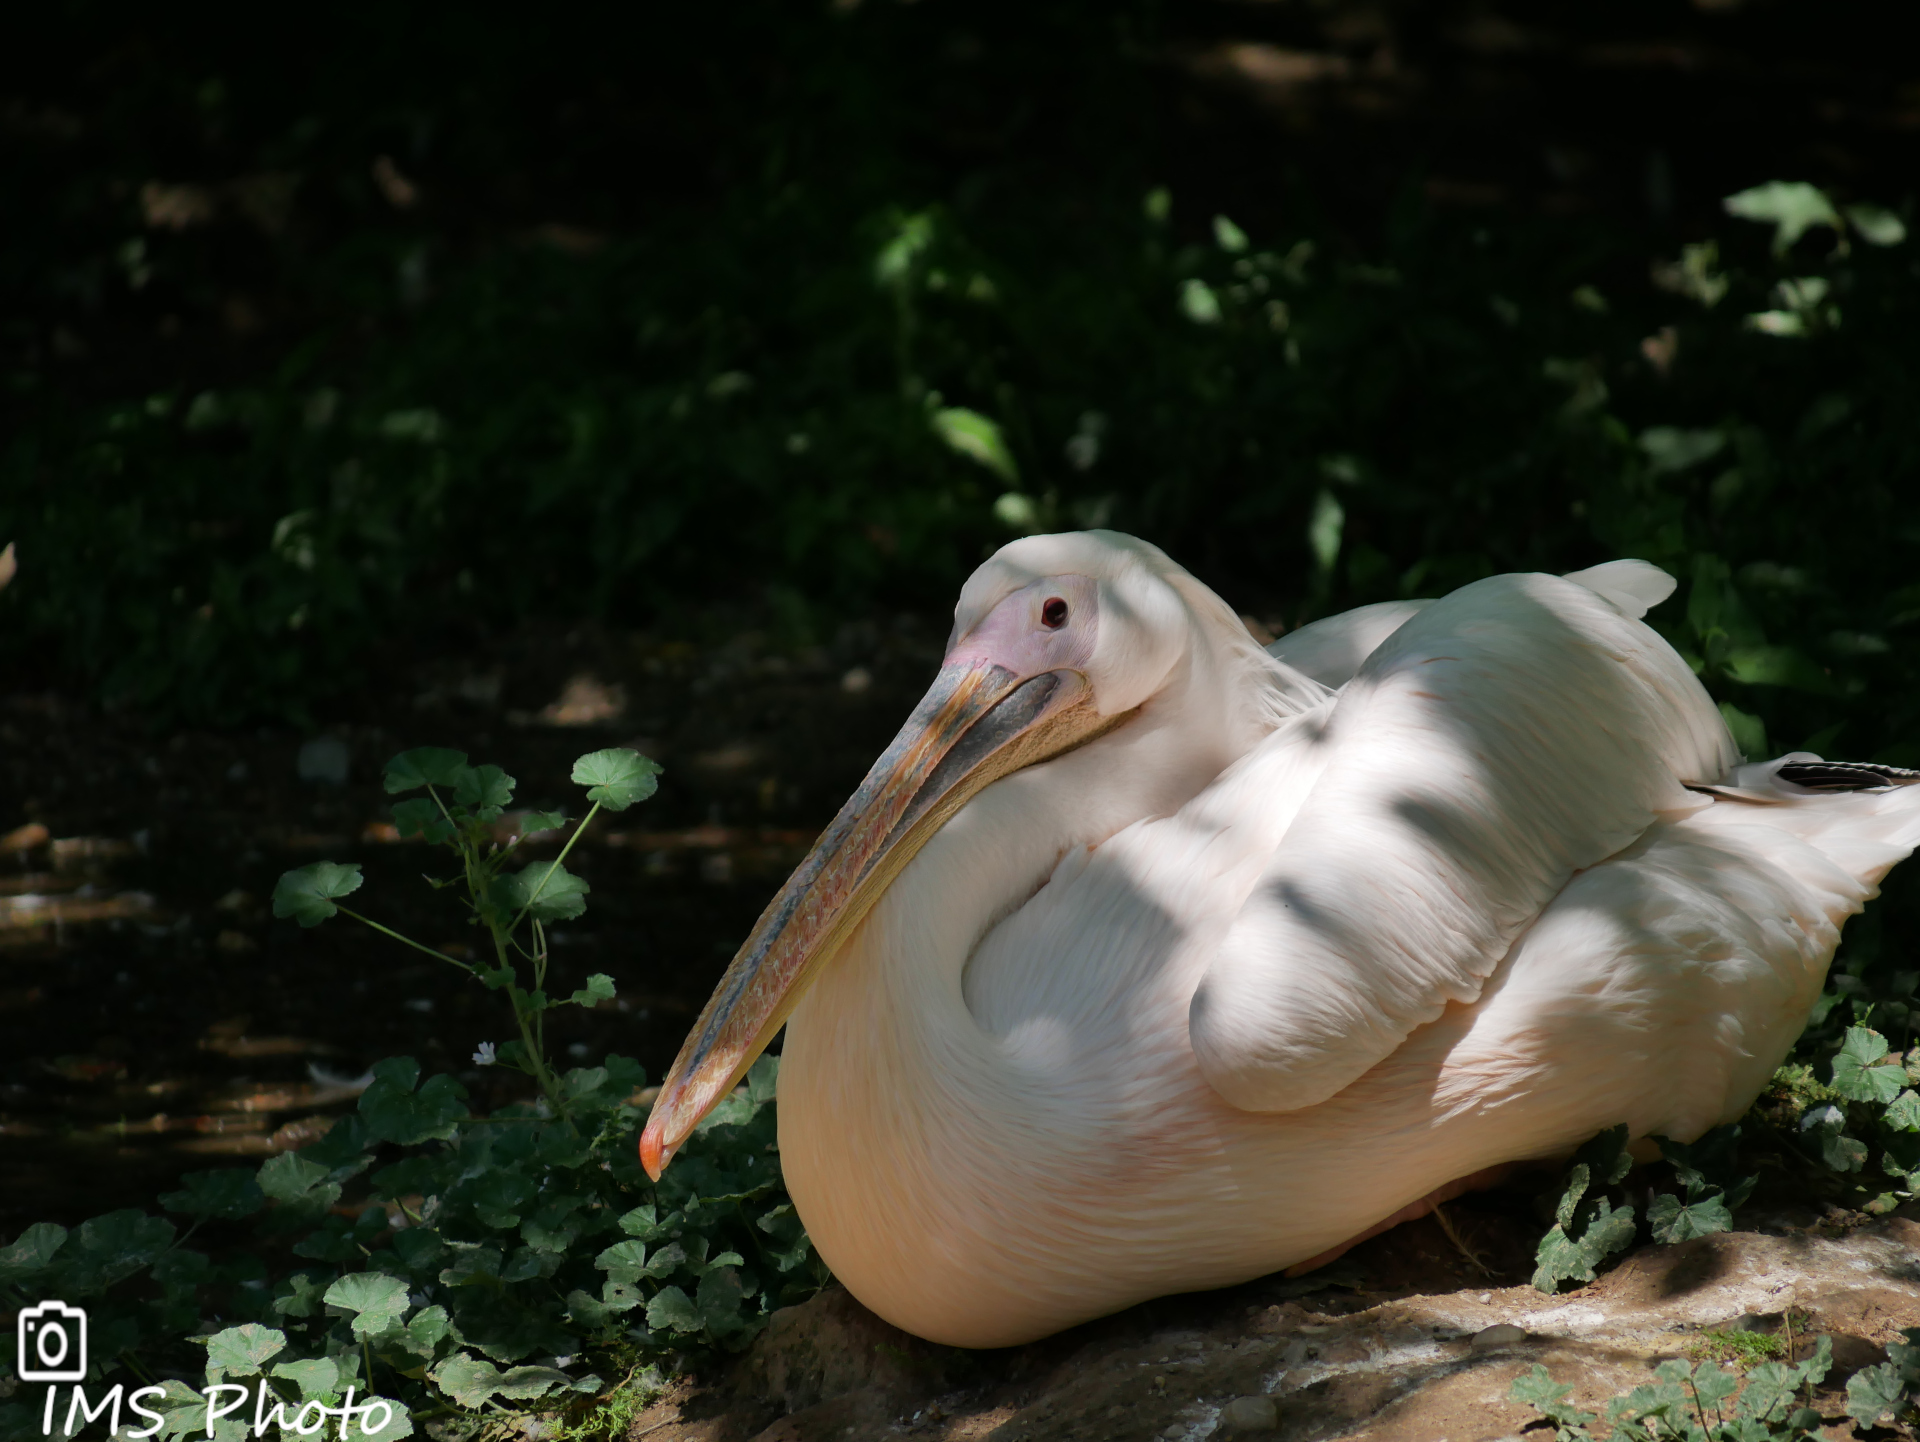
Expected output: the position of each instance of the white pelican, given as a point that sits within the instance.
(1145, 961)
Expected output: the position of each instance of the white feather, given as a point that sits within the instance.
(993, 1119)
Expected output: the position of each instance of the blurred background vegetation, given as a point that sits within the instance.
(406, 324)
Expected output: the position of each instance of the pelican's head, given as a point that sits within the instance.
(1055, 640)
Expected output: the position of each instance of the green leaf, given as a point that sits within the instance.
(1607, 1155)
(307, 895)
(394, 1112)
(719, 1301)
(227, 1195)
(314, 1376)
(1671, 449)
(1862, 1070)
(1538, 1390)
(1791, 207)
(1875, 225)
(427, 766)
(1325, 528)
(590, 1312)
(1563, 1258)
(424, 1333)
(1674, 1221)
(623, 1261)
(1228, 236)
(398, 1423)
(375, 1301)
(1875, 1392)
(1713, 1384)
(546, 889)
(1842, 1152)
(105, 1250)
(297, 1186)
(978, 438)
(421, 816)
(1770, 1386)
(1778, 666)
(1198, 303)
(672, 1310)
(30, 1253)
(470, 1380)
(530, 823)
(302, 1297)
(599, 988)
(618, 777)
(486, 791)
(620, 1296)
(1903, 1112)
(241, 1351)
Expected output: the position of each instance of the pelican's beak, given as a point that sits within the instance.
(979, 722)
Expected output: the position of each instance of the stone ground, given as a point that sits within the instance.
(1391, 1363)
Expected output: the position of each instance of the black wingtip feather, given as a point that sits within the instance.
(1845, 775)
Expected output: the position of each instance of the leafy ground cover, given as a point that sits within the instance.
(474, 1242)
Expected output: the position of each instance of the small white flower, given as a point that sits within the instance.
(484, 1057)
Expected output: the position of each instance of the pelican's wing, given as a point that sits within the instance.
(1330, 651)
(1521, 729)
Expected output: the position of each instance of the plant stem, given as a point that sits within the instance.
(403, 940)
(554, 866)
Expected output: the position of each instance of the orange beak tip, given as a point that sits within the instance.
(653, 1156)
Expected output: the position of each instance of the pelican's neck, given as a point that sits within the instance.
(905, 965)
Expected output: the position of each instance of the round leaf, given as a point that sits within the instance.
(307, 895)
(617, 777)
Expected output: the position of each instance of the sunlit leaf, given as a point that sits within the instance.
(976, 437)
(1862, 1070)
(307, 895)
(1876, 225)
(546, 890)
(1675, 1221)
(1537, 1389)
(314, 1376)
(1875, 1392)
(1228, 236)
(376, 1301)
(617, 778)
(599, 988)
(1325, 528)
(242, 1351)
(1198, 303)
(1791, 207)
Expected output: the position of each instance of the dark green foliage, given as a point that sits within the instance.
(478, 1246)
(1587, 1228)
(1706, 1170)
(482, 1261)
(819, 359)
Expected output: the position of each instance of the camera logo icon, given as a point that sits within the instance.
(53, 1343)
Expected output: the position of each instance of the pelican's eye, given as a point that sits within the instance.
(1053, 615)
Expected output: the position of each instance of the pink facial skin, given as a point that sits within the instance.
(1048, 625)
